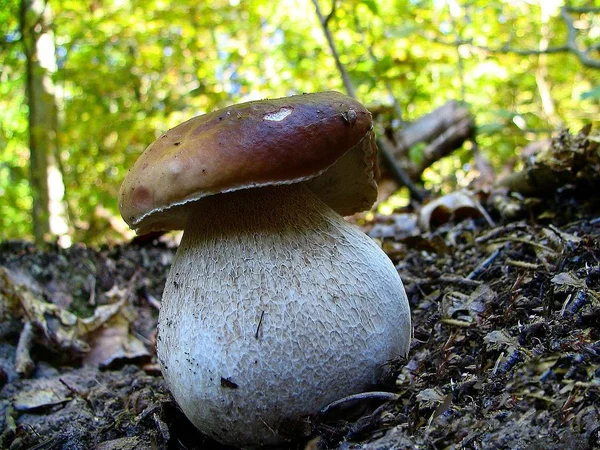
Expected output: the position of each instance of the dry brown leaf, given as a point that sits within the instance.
(114, 345)
(107, 330)
(454, 206)
(30, 400)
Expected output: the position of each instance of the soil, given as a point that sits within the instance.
(505, 355)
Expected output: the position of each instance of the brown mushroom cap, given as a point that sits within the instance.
(324, 139)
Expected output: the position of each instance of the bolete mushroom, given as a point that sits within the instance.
(274, 305)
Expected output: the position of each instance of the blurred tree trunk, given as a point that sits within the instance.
(46, 183)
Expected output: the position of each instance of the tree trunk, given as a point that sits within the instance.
(46, 183)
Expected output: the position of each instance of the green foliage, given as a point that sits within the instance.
(130, 69)
(593, 94)
(15, 197)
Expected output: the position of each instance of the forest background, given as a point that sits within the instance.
(86, 86)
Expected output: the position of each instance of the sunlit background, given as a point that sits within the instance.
(112, 75)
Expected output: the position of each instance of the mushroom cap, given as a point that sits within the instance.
(324, 139)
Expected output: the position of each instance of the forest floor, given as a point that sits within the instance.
(505, 355)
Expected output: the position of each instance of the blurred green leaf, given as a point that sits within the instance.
(593, 94)
(490, 128)
(372, 5)
(404, 31)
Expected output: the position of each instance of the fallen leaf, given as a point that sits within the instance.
(40, 398)
(430, 396)
(498, 338)
(568, 279)
(114, 345)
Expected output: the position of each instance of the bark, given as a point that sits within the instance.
(47, 188)
(449, 140)
(431, 125)
(444, 130)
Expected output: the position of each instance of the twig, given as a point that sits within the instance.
(377, 395)
(152, 301)
(524, 241)
(366, 422)
(260, 321)
(570, 46)
(583, 10)
(332, 12)
(522, 264)
(92, 298)
(48, 443)
(457, 323)
(450, 279)
(497, 364)
(324, 24)
(484, 265)
(504, 229)
(24, 365)
(444, 280)
(267, 425)
(387, 156)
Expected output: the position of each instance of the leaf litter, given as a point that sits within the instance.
(505, 355)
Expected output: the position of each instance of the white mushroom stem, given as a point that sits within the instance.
(274, 307)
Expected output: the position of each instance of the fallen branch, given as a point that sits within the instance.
(444, 144)
(444, 130)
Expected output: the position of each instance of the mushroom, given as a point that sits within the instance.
(274, 305)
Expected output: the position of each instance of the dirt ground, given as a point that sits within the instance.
(506, 349)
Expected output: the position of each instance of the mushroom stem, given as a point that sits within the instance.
(274, 307)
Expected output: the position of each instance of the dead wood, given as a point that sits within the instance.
(442, 131)
(569, 159)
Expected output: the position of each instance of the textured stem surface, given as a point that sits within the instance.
(274, 307)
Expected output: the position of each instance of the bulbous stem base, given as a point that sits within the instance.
(274, 307)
